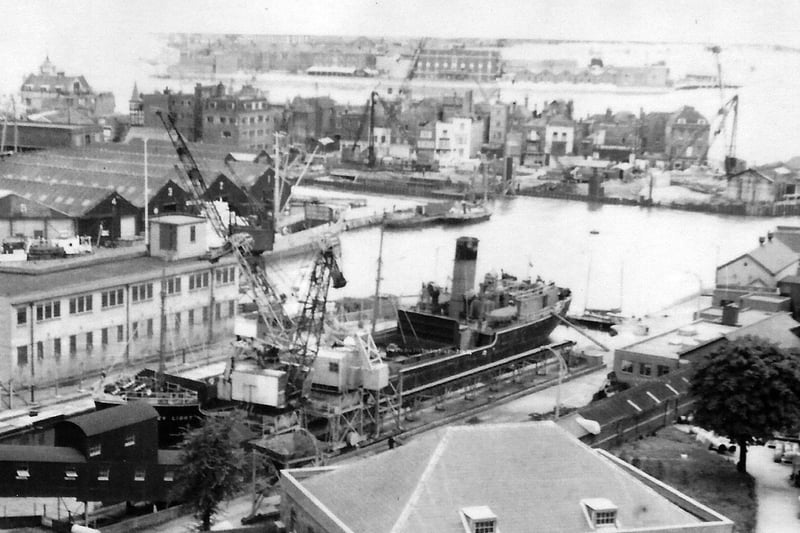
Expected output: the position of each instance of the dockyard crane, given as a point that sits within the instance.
(368, 122)
(296, 344)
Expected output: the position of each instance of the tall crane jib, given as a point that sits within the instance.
(293, 344)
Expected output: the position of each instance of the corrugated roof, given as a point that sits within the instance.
(774, 256)
(40, 454)
(59, 194)
(114, 417)
(530, 473)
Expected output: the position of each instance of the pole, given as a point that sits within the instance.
(378, 279)
(276, 192)
(146, 198)
(562, 369)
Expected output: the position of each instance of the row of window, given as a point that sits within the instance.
(50, 310)
(645, 369)
(138, 328)
(211, 119)
(23, 473)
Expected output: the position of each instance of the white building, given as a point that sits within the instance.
(60, 319)
(459, 139)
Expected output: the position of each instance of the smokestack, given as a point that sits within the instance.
(761, 241)
(463, 274)
(769, 236)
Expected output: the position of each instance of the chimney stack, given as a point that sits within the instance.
(761, 241)
(463, 274)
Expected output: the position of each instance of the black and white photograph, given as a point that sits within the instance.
(400, 266)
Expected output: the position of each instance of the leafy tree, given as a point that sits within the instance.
(213, 467)
(747, 389)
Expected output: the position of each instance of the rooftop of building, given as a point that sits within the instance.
(104, 420)
(526, 473)
(673, 343)
(779, 328)
(774, 255)
(40, 454)
(53, 278)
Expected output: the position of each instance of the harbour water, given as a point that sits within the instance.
(644, 259)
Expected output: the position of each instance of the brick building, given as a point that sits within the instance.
(51, 89)
(459, 64)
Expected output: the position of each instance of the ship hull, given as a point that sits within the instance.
(426, 368)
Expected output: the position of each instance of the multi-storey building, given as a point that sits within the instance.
(74, 317)
(51, 89)
(211, 115)
(687, 137)
(459, 139)
(459, 64)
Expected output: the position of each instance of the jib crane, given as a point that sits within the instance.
(368, 122)
(290, 340)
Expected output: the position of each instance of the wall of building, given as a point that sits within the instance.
(745, 272)
(634, 367)
(113, 336)
(750, 188)
(28, 227)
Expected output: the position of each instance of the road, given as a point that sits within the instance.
(778, 505)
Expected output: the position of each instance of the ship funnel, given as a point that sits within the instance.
(463, 275)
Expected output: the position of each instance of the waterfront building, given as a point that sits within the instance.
(764, 184)
(67, 318)
(510, 477)
(459, 139)
(759, 270)
(459, 64)
(687, 138)
(211, 114)
(559, 137)
(52, 89)
(669, 352)
(110, 455)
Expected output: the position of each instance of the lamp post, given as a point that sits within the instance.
(146, 198)
(562, 370)
(699, 290)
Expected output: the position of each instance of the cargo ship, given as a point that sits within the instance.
(446, 334)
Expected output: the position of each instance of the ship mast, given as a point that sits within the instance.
(378, 279)
(162, 337)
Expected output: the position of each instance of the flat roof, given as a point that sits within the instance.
(178, 220)
(21, 287)
(673, 343)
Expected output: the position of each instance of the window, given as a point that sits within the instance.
(169, 475)
(661, 370)
(138, 475)
(191, 317)
(333, 366)
(23, 473)
(205, 314)
(232, 308)
(218, 310)
(22, 355)
(178, 321)
(604, 518)
(57, 348)
(102, 474)
(192, 233)
(130, 440)
(120, 333)
(73, 345)
(225, 275)
(112, 298)
(173, 285)
(198, 281)
(48, 310)
(626, 366)
(135, 330)
(104, 337)
(80, 304)
(89, 342)
(22, 316)
(95, 450)
(140, 293)
(70, 474)
(484, 526)
(40, 350)
(149, 327)
(646, 369)
(168, 237)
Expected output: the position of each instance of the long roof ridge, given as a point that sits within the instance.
(415, 496)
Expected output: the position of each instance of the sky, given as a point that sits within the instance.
(37, 22)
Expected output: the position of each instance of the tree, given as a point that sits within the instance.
(212, 467)
(747, 389)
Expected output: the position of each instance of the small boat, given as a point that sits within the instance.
(423, 215)
(467, 214)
